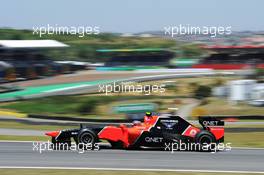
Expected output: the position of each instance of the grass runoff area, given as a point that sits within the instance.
(24, 138)
(17, 125)
(100, 105)
(98, 172)
(83, 105)
(219, 106)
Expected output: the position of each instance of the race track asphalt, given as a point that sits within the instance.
(21, 154)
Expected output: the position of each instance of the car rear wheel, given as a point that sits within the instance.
(206, 140)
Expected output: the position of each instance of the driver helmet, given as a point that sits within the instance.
(149, 114)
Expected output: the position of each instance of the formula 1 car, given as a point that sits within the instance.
(154, 132)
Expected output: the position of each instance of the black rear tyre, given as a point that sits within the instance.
(205, 139)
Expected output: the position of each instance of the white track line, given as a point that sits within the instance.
(131, 169)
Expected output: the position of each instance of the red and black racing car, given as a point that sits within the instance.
(154, 132)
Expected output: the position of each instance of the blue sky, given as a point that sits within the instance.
(133, 16)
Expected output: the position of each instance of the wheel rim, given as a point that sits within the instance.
(205, 140)
(87, 138)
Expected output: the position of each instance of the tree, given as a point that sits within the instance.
(202, 92)
(88, 106)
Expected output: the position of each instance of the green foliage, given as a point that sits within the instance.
(191, 50)
(71, 105)
(88, 106)
(202, 92)
(260, 72)
(61, 104)
(218, 82)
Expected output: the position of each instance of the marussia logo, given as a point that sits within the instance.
(169, 123)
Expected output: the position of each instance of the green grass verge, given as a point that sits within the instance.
(16, 125)
(96, 172)
(52, 105)
(90, 106)
(245, 125)
(24, 138)
(251, 139)
(217, 106)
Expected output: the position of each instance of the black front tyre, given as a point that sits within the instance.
(87, 138)
(61, 145)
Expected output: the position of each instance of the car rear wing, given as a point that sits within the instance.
(208, 122)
